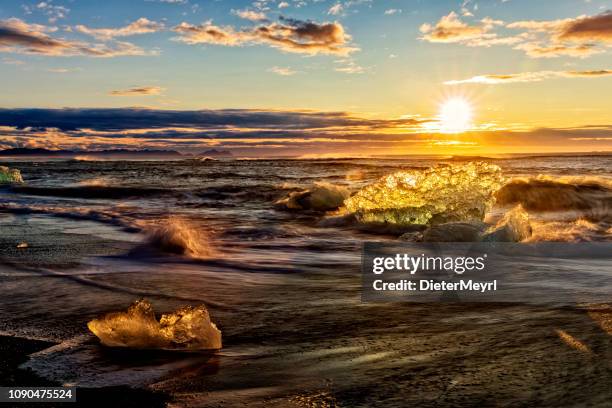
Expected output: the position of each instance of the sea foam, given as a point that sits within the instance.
(545, 193)
(176, 236)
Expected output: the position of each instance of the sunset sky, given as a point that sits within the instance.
(307, 76)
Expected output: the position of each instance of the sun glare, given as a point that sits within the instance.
(455, 116)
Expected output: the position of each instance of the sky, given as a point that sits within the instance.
(307, 77)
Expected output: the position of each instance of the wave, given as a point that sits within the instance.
(252, 192)
(109, 217)
(96, 182)
(188, 328)
(544, 193)
(91, 191)
(515, 226)
(473, 158)
(176, 236)
(321, 196)
(579, 230)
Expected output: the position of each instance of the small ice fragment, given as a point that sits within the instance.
(188, 328)
(320, 196)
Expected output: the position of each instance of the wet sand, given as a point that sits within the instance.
(14, 351)
(292, 340)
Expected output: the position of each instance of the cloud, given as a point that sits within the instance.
(573, 37)
(283, 4)
(450, 29)
(17, 36)
(538, 50)
(268, 131)
(209, 33)
(540, 25)
(593, 28)
(390, 12)
(121, 119)
(335, 10)
(145, 128)
(30, 37)
(53, 11)
(283, 71)
(349, 67)
(495, 79)
(289, 35)
(250, 15)
(12, 61)
(62, 70)
(137, 91)
(578, 37)
(140, 26)
(589, 74)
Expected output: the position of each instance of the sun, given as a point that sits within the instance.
(455, 116)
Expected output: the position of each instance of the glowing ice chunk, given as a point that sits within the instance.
(436, 195)
(9, 175)
(189, 328)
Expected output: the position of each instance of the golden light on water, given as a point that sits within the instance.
(455, 115)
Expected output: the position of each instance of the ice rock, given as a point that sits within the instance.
(188, 328)
(9, 176)
(320, 197)
(455, 232)
(440, 194)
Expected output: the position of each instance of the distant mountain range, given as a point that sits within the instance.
(125, 153)
(216, 153)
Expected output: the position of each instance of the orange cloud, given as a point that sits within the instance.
(289, 35)
(137, 91)
(494, 79)
(283, 71)
(140, 26)
(593, 28)
(578, 37)
(305, 131)
(450, 29)
(537, 50)
(17, 36)
(250, 15)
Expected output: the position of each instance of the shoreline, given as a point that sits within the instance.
(14, 351)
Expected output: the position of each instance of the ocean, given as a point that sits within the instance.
(282, 283)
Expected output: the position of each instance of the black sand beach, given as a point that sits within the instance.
(14, 351)
(284, 289)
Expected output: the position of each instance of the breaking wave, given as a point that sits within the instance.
(579, 230)
(544, 193)
(176, 236)
(320, 197)
(188, 328)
